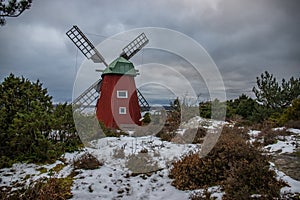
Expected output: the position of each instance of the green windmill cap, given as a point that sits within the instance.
(120, 66)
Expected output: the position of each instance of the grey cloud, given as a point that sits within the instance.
(244, 38)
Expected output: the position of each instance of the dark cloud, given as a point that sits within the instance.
(244, 38)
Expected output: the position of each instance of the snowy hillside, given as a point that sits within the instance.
(133, 167)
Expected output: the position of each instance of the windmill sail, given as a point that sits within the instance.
(144, 105)
(84, 45)
(135, 46)
(88, 97)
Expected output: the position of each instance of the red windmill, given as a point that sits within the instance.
(119, 103)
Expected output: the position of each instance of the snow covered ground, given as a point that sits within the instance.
(113, 180)
(284, 144)
(117, 179)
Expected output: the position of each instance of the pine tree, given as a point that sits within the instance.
(273, 95)
(25, 110)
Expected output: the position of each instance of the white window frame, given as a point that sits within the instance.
(122, 111)
(120, 96)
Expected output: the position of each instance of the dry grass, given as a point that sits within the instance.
(43, 189)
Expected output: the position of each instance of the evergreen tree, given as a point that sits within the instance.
(174, 118)
(26, 111)
(147, 118)
(205, 109)
(292, 113)
(218, 112)
(64, 130)
(272, 95)
(246, 106)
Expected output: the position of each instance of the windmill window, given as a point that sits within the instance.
(122, 110)
(122, 94)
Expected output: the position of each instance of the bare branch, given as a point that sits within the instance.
(13, 8)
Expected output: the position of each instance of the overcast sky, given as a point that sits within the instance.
(244, 38)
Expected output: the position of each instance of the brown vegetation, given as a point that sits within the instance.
(240, 168)
(87, 161)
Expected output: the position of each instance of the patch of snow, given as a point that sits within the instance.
(293, 130)
(294, 185)
(278, 129)
(282, 147)
(215, 192)
(180, 131)
(285, 144)
(161, 152)
(198, 121)
(23, 173)
(113, 180)
(256, 196)
(253, 133)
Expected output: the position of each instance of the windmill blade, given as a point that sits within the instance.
(84, 45)
(135, 46)
(144, 105)
(88, 97)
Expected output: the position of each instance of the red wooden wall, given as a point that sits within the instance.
(108, 104)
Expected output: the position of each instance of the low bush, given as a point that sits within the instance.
(87, 161)
(52, 189)
(43, 189)
(166, 135)
(251, 177)
(232, 162)
(194, 135)
(146, 118)
(270, 136)
(109, 132)
(114, 133)
(293, 124)
(6, 162)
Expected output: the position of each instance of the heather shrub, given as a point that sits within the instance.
(293, 124)
(232, 162)
(166, 135)
(194, 135)
(43, 189)
(251, 177)
(87, 161)
(269, 135)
